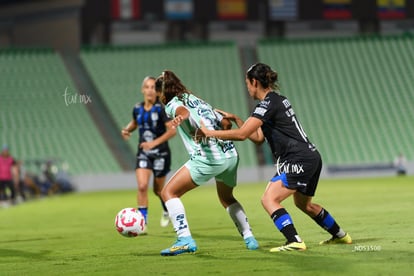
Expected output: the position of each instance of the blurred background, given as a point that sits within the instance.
(71, 71)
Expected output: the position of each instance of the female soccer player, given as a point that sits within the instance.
(298, 163)
(208, 158)
(153, 156)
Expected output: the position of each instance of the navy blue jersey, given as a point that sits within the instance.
(281, 127)
(151, 124)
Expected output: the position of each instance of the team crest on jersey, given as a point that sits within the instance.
(264, 103)
(154, 116)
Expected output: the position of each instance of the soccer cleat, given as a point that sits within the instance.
(182, 245)
(251, 243)
(335, 240)
(293, 246)
(165, 219)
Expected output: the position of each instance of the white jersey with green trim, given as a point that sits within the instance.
(208, 148)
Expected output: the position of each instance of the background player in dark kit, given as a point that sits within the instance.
(153, 154)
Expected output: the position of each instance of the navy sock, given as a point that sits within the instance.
(284, 223)
(327, 222)
(144, 212)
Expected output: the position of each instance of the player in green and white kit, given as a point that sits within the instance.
(208, 158)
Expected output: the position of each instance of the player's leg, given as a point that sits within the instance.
(275, 193)
(323, 218)
(303, 200)
(180, 183)
(237, 214)
(158, 185)
(225, 183)
(143, 176)
(161, 167)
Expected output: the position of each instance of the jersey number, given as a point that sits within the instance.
(299, 128)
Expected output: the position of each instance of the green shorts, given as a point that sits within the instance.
(203, 170)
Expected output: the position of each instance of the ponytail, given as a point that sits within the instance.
(264, 75)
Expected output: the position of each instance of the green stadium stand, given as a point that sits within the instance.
(36, 121)
(354, 96)
(211, 70)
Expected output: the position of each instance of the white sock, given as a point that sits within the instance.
(178, 218)
(341, 233)
(239, 218)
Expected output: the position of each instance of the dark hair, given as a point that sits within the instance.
(170, 86)
(263, 74)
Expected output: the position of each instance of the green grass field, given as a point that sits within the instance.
(75, 234)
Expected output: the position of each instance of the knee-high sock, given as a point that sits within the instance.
(284, 223)
(144, 212)
(178, 218)
(327, 222)
(239, 218)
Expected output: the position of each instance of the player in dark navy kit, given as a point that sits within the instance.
(298, 162)
(153, 156)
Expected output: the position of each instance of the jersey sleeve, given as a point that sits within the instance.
(135, 111)
(172, 106)
(263, 110)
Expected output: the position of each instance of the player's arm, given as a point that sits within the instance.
(126, 131)
(161, 139)
(256, 137)
(181, 114)
(249, 128)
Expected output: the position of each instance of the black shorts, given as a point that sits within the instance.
(301, 174)
(159, 163)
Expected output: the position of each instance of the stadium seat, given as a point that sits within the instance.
(211, 70)
(353, 95)
(36, 121)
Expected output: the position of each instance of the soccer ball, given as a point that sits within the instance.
(129, 222)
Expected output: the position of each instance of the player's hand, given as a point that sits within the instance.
(125, 134)
(227, 115)
(202, 131)
(177, 121)
(146, 145)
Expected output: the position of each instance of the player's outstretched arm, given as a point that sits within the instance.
(163, 138)
(244, 132)
(256, 137)
(126, 131)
